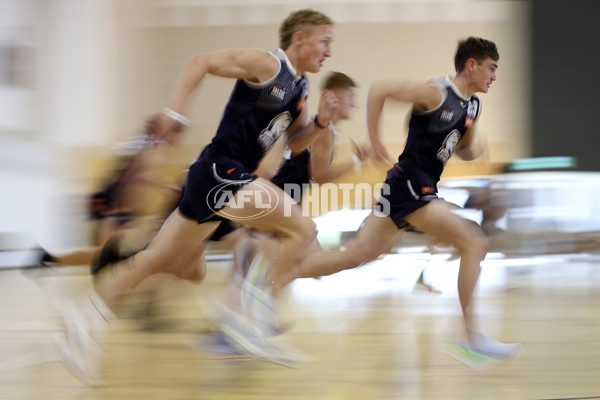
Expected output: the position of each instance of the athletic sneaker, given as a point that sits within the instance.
(483, 352)
(256, 301)
(242, 258)
(215, 346)
(79, 352)
(244, 334)
(260, 307)
(226, 346)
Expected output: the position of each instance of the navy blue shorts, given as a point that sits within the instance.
(294, 173)
(209, 186)
(402, 195)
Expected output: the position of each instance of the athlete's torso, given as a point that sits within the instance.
(256, 115)
(433, 136)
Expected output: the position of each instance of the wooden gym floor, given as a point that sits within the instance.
(368, 333)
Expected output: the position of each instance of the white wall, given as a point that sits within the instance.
(66, 101)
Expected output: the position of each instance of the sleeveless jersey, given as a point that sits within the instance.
(296, 169)
(257, 114)
(433, 135)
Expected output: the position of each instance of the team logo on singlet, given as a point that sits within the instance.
(448, 146)
(446, 115)
(300, 104)
(274, 130)
(278, 92)
(471, 112)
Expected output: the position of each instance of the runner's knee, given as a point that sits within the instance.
(308, 231)
(304, 230)
(482, 245)
(195, 273)
(477, 244)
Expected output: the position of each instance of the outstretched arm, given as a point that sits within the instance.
(255, 65)
(424, 97)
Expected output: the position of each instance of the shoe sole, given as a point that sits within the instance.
(219, 348)
(234, 328)
(63, 347)
(472, 360)
(65, 356)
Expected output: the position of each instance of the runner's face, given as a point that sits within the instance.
(485, 74)
(316, 47)
(346, 101)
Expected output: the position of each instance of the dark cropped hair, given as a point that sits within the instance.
(476, 48)
(300, 20)
(338, 80)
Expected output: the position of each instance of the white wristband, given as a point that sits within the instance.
(357, 163)
(182, 119)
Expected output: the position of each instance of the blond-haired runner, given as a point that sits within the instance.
(267, 101)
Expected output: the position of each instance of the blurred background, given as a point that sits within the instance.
(79, 76)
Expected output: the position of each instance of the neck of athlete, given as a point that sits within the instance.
(293, 56)
(463, 85)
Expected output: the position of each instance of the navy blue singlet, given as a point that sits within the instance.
(432, 138)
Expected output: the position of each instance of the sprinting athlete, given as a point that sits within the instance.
(298, 171)
(314, 164)
(267, 101)
(442, 123)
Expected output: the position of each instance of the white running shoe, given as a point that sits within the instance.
(78, 351)
(242, 260)
(483, 352)
(256, 301)
(260, 307)
(216, 346)
(245, 335)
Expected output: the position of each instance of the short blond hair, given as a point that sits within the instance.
(300, 20)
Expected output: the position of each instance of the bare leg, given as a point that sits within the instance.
(86, 320)
(177, 242)
(376, 236)
(77, 257)
(270, 247)
(294, 230)
(437, 220)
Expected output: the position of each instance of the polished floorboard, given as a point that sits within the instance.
(368, 333)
